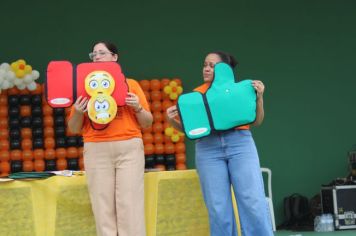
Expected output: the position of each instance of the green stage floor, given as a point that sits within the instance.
(310, 233)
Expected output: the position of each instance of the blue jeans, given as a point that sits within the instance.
(230, 158)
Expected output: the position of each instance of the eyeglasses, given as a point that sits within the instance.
(92, 55)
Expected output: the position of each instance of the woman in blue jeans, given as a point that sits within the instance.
(230, 158)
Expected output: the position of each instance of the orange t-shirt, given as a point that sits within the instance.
(203, 88)
(124, 126)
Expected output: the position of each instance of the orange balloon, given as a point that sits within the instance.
(4, 133)
(180, 148)
(72, 152)
(27, 155)
(164, 82)
(38, 154)
(145, 84)
(166, 125)
(156, 95)
(181, 166)
(149, 149)
(26, 144)
(157, 116)
(4, 122)
(147, 138)
(44, 101)
(4, 144)
(48, 121)
(155, 85)
(4, 155)
(27, 166)
(157, 127)
(3, 100)
(4, 111)
(159, 148)
(16, 155)
(25, 110)
(47, 110)
(167, 139)
(49, 143)
(61, 164)
(50, 154)
(166, 104)
(13, 91)
(169, 148)
(39, 165)
(158, 138)
(61, 153)
(48, 132)
(180, 158)
(156, 106)
(4, 167)
(147, 95)
(26, 133)
(24, 91)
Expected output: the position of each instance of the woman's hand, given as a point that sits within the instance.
(259, 87)
(172, 112)
(80, 104)
(133, 101)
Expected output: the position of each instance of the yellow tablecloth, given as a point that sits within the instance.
(60, 206)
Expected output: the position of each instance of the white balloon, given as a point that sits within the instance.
(5, 66)
(32, 86)
(2, 72)
(5, 84)
(2, 78)
(10, 75)
(28, 79)
(17, 82)
(21, 86)
(35, 74)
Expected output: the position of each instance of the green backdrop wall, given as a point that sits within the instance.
(303, 50)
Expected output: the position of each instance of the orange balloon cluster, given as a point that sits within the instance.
(33, 159)
(156, 142)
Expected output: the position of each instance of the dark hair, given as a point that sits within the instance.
(227, 58)
(110, 46)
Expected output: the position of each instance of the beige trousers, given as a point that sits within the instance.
(115, 176)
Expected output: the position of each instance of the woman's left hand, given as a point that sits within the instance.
(259, 87)
(133, 101)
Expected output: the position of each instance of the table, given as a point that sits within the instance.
(60, 206)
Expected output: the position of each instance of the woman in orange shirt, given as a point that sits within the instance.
(229, 158)
(114, 157)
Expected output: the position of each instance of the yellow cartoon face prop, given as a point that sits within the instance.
(99, 82)
(102, 108)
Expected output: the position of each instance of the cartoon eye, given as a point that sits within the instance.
(97, 106)
(105, 83)
(100, 106)
(105, 105)
(93, 84)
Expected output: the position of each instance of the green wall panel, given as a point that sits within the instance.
(304, 51)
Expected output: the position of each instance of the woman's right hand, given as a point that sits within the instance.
(80, 104)
(172, 112)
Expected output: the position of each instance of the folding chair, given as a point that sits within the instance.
(269, 195)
